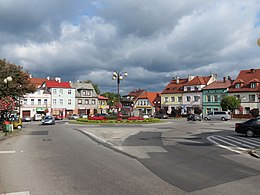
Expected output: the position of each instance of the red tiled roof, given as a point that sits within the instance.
(174, 87)
(198, 81)
(37, 81)
(218, 85)
(136, 93)
(248, 76)
(56, 84)
(150, 96)
(102, 97)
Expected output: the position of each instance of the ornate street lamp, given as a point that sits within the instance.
(6, 81)
(119, 76)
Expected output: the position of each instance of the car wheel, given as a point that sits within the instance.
(249, 133)
(19, 127)
(206, 119)
(223, 119)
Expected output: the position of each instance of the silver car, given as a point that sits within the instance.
(48, 120)
(218, 115)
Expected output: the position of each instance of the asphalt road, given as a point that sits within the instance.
(177, 157)
(60, 160)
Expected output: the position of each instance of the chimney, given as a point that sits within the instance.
(224, 79)
(229, 78)
(177, 80)
(252, 70)
(190, 77)
(30, 76)
(48, 78)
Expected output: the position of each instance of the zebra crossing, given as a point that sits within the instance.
(235, 143)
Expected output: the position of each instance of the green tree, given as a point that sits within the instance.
(112, 98)
(20, 84)
(230, 103)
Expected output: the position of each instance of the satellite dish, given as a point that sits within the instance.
(258, 42)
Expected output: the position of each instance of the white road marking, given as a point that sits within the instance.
(239, 143)
(7, 152)
(17, 193)
(248, 141)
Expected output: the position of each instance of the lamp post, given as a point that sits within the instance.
(6, 81)
(119, 76)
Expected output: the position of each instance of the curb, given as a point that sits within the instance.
(254, 153)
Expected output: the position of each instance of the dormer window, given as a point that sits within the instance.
(237, 85)
(196, 88)
(188, 88)
(252, 85)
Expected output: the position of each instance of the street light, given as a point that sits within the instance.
(6, 81)
(119, 76)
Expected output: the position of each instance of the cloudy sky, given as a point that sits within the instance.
(152, 40)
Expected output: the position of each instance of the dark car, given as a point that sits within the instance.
(194, 117)
(161, 116)
(250, 128)
(48, 120)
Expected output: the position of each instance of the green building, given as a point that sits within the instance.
(213, 94)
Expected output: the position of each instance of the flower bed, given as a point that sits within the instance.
(131, 120)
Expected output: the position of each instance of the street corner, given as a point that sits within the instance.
(255, 153)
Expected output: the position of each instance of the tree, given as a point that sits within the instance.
(230, 103)
(197, 110)
(20, 84)
(7, 105)
(112, 98)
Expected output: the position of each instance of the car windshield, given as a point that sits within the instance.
(48, 117)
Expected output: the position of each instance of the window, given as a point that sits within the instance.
(25, 102)
(54, 91)
(61, 101)
(215, 98)
(39, 101)
(208, 98)
(166, 99)
(144, 103)
(45, 101)
(54, 101)
(32, 101)
(188, 98)
(69, 101)
(188, 88)
(196, 98)
(61, 91)
(237, 85)
(173, 99)
(252, 98)
(88, 93)
(93, 102)
(69, 91)
(252, 85)
(87, 102)
(79, 101)
(179, 99)
(196, 88)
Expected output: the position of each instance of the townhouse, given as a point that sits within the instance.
(213, 94)
(62, 97)
(86, 98)
(246, 88)
(102, 105)
(37, 102)
(171, 96)
(145, 103)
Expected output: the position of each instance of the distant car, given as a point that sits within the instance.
(73, 117)
(194, 117)
(58, 117)
(218, 115)
(83, 116)
(27, 119)
(161, 116)
(37, 117)
(48, 120)
(250, 128)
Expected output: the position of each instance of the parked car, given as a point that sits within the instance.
(218, 115)
(83, 116)
(48, 120)
(161, 116)
(27, 119)
(58, 117)
(194, 117)
(73, 117)
(37, 117)
(250, 128)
